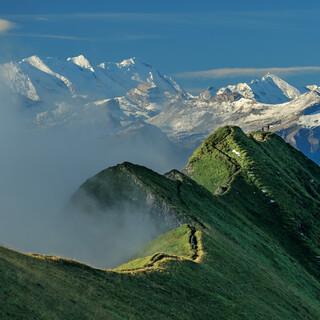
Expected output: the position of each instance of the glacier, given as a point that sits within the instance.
(114, 98)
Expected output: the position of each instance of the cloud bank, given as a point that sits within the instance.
(234, 72)
(5, 25)
(40, 170)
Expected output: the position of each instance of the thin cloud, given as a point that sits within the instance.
(108, 16)
(257, 18)
(127, 37)
(6, 25)
(49, 36)
(234, 72)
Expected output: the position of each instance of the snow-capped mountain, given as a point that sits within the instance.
(51, 80)
(109, 97)
(74, 90)
(195, 119)
(269, 89)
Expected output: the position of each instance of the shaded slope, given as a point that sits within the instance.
(251, 267)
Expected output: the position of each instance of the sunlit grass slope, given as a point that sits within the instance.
(245, 248)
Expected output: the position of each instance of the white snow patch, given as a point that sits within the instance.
(126, 63)
(288, 90)
(82, 62)
(236, 152)
(37, 63)
(310, 121)
(18, 81)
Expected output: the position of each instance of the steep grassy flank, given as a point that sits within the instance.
(174, 242)
(130, 186)
(288, 180)
(210, 165)
(252, 265)
(181, 243)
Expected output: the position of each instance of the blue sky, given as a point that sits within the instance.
(177, 36)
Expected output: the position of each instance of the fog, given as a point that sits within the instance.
(40, 169)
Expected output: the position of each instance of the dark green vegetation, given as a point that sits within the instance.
(247, 247)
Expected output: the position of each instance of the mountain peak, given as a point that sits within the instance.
(242, 89)
(31, 59)
(313, 88)
(127, 62)
(268, 89)
(37, 63)
(288, 90)
(264, 217)
(82, 62)
(270, 75)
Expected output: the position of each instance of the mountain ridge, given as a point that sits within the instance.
(252, 264)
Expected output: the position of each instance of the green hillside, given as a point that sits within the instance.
(243, 244)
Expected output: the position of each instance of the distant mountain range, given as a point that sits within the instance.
(111, 97)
